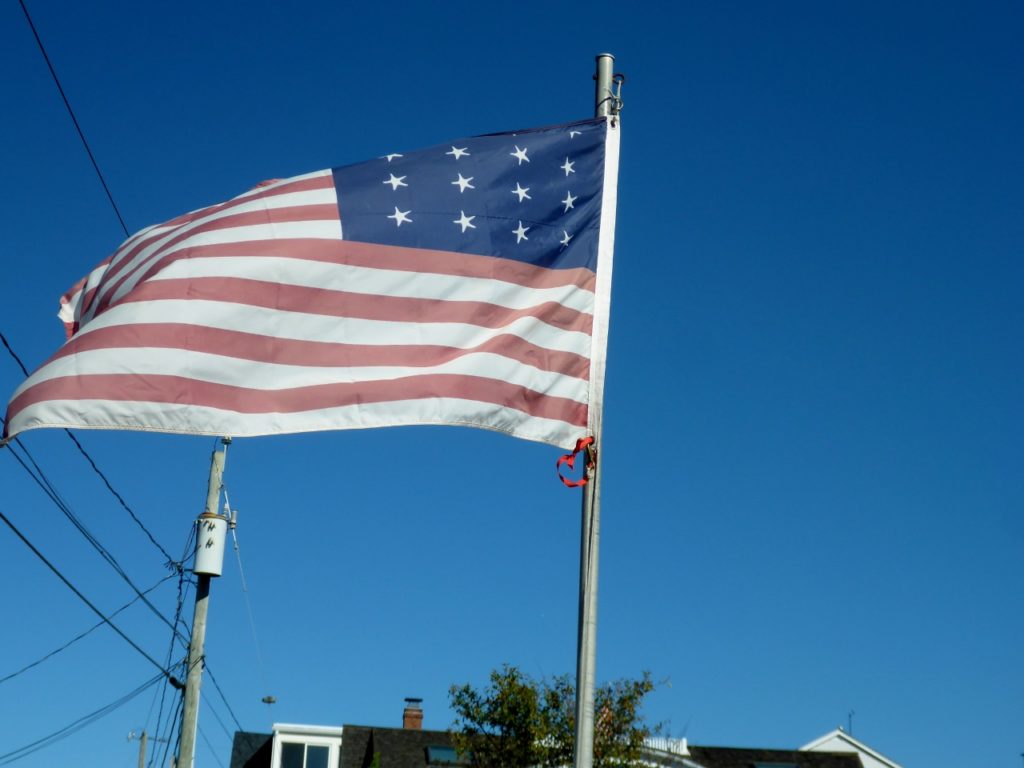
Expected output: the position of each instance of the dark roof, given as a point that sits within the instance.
(731, 757)
(399, 747)
(251, 750)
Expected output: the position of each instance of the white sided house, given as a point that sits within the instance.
(840, 741)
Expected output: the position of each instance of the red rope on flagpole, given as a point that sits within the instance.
(569, 460)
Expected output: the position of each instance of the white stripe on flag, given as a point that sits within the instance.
(142, 416)
(270, 377)
(379, 282)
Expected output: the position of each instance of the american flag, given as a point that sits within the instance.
(464, 284)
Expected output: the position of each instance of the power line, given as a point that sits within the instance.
(13, 354)
(182, 590)
(160, 714)
(168, 559)
(220, 722)
(82, 597)
(172, 724)
(51, 492)
(79, 636)
(77, 725)
(173, 721)
(222, 697)
(210, 746)
(95, 468)
(74, 119)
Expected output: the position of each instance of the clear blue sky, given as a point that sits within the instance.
(813, 487)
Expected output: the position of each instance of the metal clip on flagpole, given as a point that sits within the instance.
(607, 104)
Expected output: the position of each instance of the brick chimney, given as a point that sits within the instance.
(412, 715)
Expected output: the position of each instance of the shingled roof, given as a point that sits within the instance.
(732, 757)
(251, 750)
(404, 747)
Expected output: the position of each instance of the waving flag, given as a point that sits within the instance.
(465, 284)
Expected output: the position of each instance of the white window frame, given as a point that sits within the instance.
(312, 735)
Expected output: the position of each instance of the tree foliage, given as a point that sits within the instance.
(519, 722)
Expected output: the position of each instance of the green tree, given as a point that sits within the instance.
(518, 722)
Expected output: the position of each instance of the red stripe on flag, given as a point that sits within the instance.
(122, 258)
(150, 267)
(178, 390)
(451, 263)
(270, 349)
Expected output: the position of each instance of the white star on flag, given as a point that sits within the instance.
(520, 233)
(396, 182)
(400, 216)
(457, 152)
(569, 200)
(521, 192)
(465, 221)
(392, 156)
(566, 237)
(567, 167)
(520, 154)
(463, 183)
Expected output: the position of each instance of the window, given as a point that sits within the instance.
(444, 756)
(306, 746)
(298, 755)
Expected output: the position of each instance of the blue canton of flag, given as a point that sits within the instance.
(532, 196)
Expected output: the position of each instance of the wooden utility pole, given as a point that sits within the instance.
(210, 537)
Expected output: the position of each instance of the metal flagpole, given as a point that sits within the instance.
(586, 640)
(211, 529)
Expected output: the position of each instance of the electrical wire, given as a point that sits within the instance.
(71, 112)
(169, 737)
(82, 597)
(220, 722)
(81, 635)
(13, 354)
(183, 584)
(171, 721)
(210, 746)
(167, 558)
(223, 697)
(14, 755)
(51, 492)
(95, 468)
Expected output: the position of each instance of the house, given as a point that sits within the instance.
(841, 741)
(347, 746)
(362, 746)
(693, 756)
